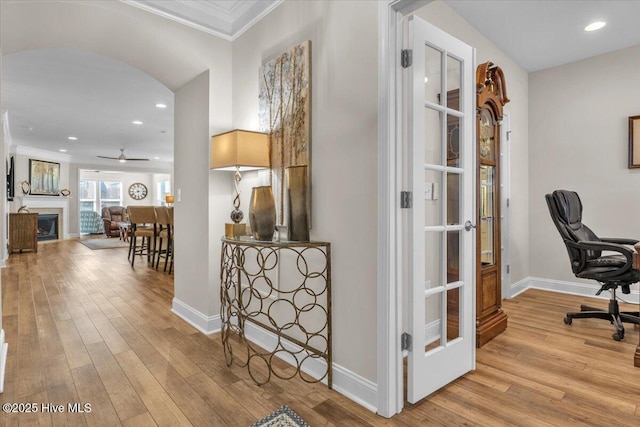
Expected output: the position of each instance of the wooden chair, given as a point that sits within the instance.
(164, 222)
(143, 225)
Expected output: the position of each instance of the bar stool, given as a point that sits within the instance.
(164, 223)
(143, 225)
(171, 245)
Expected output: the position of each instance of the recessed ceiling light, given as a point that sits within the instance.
(156, 158)
(595, 26)
(136, 122)
(62, 150)
(426, 79)
(72, 138)
(161, 105)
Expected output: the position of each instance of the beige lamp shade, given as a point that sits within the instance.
(168, 199)
(240, 148)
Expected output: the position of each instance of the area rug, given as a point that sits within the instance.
(104, 243)
(283, 417)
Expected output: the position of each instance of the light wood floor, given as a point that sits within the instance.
(82, 326)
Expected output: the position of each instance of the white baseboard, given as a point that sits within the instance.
(432, 332)
(345, 382)
(4, 347)
(520, 286)
(206, 324)
(572, 288)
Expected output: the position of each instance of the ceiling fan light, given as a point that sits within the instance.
(122, 160)
(595, 26)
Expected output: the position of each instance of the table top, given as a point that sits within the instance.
(250, 241)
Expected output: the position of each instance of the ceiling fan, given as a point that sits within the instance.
(122, 158)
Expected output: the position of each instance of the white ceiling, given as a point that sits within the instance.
(544, 34)
(53, 94)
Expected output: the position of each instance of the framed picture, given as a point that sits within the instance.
(44, 178)
(634, 142)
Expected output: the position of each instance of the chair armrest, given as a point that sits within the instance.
(620, 241)
(585, 246)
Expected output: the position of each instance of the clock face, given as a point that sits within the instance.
(138, 191)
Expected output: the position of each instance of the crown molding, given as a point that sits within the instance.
(215, 20)
(42, 154)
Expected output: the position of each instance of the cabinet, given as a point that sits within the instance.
(277, 294)
(23, 232)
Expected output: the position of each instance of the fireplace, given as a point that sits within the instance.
(47, 227)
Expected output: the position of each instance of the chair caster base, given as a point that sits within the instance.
(568, 320)
(618, 336)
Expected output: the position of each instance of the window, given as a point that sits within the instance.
(87, 195)
(110, 194)
(163, 188)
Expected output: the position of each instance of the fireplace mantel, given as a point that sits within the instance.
(49, 202)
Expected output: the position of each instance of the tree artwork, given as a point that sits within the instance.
(285, 114)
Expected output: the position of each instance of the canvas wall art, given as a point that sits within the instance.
(44, 178)
(285, 114)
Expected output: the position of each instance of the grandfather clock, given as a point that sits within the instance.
(491, 97)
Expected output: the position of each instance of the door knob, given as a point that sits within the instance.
(468, 226)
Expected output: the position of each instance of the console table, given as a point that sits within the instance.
(281, 293)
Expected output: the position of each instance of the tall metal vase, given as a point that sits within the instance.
(262, 213)
(297, 179)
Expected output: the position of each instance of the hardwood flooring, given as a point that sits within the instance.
(83, 327)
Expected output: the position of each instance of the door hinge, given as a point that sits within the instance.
(406, 342)
(508, 202)
(508, 268)
(406, 200)
(407, 58)
(508, 135)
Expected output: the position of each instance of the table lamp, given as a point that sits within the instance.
(239, 150)
(168, 199)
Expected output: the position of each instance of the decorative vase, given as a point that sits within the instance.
(262, 213)
(297, 178)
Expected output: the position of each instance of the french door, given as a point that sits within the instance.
(441, 150)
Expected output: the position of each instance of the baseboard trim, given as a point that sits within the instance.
(345, 382)
(4, 348)
(520, 286)
(206, 324)
(572, 288)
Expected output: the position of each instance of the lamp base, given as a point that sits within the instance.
(235, 230)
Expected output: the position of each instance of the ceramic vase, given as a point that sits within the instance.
(297, 182)
(262, 213)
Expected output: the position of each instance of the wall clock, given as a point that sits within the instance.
(138, 191)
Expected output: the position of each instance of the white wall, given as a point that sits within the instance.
(443, 17)
(3, 230)
(579, 141)
(21, 158)
(344, 137)
(192, 256)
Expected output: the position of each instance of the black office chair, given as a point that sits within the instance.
(587, 261)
